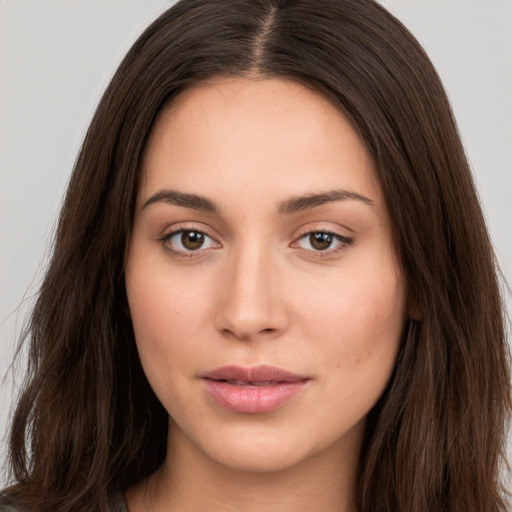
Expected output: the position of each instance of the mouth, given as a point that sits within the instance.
(254, 390)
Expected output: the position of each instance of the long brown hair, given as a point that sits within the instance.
(87, 421)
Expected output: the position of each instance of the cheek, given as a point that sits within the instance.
(357, 320)
(362, 326)
(164, 310)
(165, 314)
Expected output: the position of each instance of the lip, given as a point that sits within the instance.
(253, 390)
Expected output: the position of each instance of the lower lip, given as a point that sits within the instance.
(253, 399)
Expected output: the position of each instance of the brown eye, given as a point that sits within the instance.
(320, 241)
(192, 240)
(188, 241)
(323, 241)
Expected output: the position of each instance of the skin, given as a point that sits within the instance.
(258, 292)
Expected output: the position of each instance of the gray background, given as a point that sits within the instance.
(56, 57)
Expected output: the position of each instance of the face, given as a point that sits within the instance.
(264, 289)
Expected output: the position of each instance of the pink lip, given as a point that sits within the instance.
(252, 390)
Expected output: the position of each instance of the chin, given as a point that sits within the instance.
(250, 460)
(270, 451)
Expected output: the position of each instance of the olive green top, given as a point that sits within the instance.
(117, 503)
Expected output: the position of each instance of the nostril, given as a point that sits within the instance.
(269, 331)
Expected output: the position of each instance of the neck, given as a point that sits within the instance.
(191, 481)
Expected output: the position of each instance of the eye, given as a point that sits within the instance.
(187, 241)
(323, 241)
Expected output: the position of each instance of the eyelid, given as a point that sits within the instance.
(171, 231)
(323, 227)
(183, 227)
(345, 241)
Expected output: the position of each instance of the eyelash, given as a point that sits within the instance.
(344, 243)
(165, 240)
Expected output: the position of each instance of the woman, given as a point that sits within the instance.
(272, 286)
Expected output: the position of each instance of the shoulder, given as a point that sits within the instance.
(117, 503)
(6, 504)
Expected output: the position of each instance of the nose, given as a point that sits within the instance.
(252, 299)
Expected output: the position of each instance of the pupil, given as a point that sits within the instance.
(320, 241)
(192, 240)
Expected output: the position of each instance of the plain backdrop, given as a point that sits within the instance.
(57, 56)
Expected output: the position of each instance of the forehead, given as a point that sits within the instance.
(253, 133)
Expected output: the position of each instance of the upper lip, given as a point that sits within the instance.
(254, 374)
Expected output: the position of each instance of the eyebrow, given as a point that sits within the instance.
(301, 203)
(293, 205)
(182, 199)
